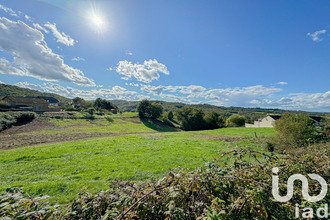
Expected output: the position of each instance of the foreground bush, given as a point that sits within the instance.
(237, 185)
(9, 119)
(297, 130)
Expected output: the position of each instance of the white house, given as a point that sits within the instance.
(266, 122)
(269, 121)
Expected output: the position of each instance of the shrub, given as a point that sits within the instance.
(8, 119)
(295, 130)
(25, 117)
(235, 120)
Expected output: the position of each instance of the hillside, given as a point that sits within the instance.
(18, 91)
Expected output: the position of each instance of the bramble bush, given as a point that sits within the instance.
(297, 130)
(235, 185)
(8, 119)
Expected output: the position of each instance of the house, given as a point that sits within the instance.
(269, 121)
(29, 104)
(51, 100)
(266, 122)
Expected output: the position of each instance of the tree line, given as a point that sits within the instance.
(188, 117)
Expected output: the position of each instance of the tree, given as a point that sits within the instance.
(170, 115)
(146, 109)
(104, 104)
(191, 118)
(156, 110)
(295, 130)
(214, 120)
(235, 120)
(78, 102)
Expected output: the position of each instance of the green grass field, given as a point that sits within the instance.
(61, 170)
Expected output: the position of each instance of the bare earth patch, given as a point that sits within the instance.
(26, 135)
(35, 125)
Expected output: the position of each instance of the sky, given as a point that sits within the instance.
(268, 54)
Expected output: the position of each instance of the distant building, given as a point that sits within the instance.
(51, 100)
(266, 122)
(30, 104)
(269, 121)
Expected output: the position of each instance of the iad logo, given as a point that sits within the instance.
(308, 211)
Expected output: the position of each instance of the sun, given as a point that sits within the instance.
(98, 21)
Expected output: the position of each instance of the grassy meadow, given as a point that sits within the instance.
(143, 151)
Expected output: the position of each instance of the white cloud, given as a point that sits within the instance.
(39, 27)
(300, 101)
(2, 82)
(146, 72)
(132, 84)
(78, 59)
(282, 83)
(315, 36)
(175, 98)
(192, 91)
(240, 96)
(129, 53)
(7, 68)
(28, 18)
(61, 37)
(111, 68)
(116, 92)
(32, 57)
(9, 11)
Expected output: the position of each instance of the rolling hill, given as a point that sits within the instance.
(18, 91)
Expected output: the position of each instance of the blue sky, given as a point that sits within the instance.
(272, 54)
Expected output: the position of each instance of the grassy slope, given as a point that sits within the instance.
(61, 170)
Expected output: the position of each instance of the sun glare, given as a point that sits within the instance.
(97, 20)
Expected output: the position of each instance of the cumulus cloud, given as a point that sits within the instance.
(116, 92)
(2, 82)
(240, 96)
(78, 59)
(300, 101)
(32, 57)
(39, 27)
(315, 36)
(146, 72)
(194, 93)
(9, 11)
(7, 68)
(61, 37)
(282, 83)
